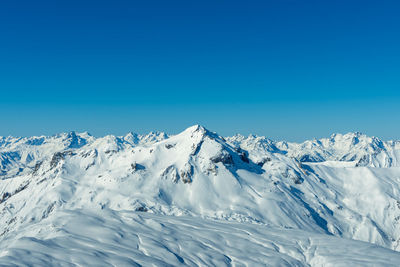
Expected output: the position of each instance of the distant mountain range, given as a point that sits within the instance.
(324, 191)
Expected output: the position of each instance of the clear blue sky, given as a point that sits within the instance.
(285, 69)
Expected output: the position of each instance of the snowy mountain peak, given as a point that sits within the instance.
(336, 186)
(196, 130)
(74, 140)
(347, 135)
(132, 138)
(153, 137)
(198, 134)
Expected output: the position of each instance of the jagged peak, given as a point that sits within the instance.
(238, 136)
(74, 140)
(132, 138)
(85, 134)
(69, 134)
(196, 128)
(347, 135)
(156, 134)
(199, 131)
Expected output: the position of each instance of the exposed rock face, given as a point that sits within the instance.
(169, 146)
(7, 195)
(212, 169)
(224, 157)
(37, 167)
(141, 209)
(74, 141)
(58, 156)
(139, 206)
(137, 167)
(186, 173)
(363, 161)
(171, 173)
(4, 197)
(263, 161)
(243, 155)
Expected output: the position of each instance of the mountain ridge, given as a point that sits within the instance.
(348, 187)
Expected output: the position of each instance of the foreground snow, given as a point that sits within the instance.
(199, 197)
(125, 238)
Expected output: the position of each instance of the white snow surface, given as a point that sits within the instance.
(197, 198)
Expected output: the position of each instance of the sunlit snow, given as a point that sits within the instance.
(197, 198)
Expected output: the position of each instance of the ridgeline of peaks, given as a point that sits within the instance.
(337, 186)
(17, 152)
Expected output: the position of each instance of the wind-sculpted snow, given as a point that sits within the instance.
(344, 187)
(126, 238)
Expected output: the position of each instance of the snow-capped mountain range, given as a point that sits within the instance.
(338, 188)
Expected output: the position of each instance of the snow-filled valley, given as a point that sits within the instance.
(197, 198)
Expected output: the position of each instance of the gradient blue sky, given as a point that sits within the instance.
(285, 69)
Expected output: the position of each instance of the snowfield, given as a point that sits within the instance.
(126, 238)
(197, 198)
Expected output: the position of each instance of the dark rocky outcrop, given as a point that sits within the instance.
(242, 154)
(137, 167)
(364, 161)
(224, 157)
(7, 195)
(58, 156)
(171, 172)
(37, 167)
(169, 146)
(186, 174)
(263, 161)
(74, 141)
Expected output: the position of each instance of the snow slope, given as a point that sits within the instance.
(126, 238)
(183, 192)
